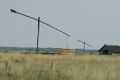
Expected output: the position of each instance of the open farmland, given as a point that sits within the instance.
(14, 66)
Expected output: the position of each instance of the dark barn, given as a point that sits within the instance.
(109, 50)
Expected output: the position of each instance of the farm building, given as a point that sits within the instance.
(109, 50)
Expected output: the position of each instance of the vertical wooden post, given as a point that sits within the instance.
(37, 48)
(84, 47)
(67, 39)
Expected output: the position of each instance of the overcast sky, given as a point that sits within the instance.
(96, 22)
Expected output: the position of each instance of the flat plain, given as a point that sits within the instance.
(16, 66)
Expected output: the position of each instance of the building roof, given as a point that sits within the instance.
(112, 48)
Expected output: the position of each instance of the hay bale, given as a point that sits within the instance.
(64, 51)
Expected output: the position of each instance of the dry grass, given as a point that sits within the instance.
(58, 67)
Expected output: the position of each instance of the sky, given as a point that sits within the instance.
(96, 22)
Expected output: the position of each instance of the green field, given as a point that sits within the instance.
(58, 67)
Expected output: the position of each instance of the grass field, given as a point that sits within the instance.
(58, 67)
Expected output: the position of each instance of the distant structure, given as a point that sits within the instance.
(84, 43)
(109, 49)
(64, 51)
